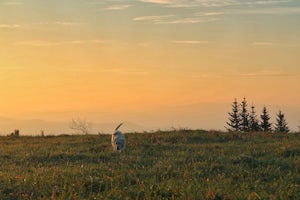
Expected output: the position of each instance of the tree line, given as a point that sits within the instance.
(244, 120)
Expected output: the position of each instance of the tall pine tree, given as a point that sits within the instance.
(244, 124)
(265, 124)
(234, 117)
(253, 121)
(281, 124)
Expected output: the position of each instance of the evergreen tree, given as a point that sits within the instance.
(253, 121)
(244, 115)
(234, 117)
(265, 125)
(281, 124)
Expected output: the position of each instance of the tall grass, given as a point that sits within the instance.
(163, 165)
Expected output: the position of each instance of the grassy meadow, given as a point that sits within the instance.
(162, 165)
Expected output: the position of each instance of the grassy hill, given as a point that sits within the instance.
(162, 165)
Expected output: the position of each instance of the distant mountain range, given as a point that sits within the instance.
(193, 116)
(36, 126)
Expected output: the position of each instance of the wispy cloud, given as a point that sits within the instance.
(118, 7)
(119, 70)
(263, 44)
(10, 26)
(271, 44)
(191, 42)
(189, 3)
(158, 1)
(218, 10)
(252, 75)
(55, 23)
(213, 3)
(155, 18)
(216, 3)
(173, 19)
(59, 23)
(271, 11)
(128, 71)
(187, 20)
(12, 3)
(266, 73)
(43, 43)
(181, 3)
(261, 2)
(209, 14)
(205, 76)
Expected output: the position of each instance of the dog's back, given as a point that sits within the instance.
(118, 141)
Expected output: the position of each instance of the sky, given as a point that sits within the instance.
(156, 63)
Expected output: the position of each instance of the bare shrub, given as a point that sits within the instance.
(80, 125)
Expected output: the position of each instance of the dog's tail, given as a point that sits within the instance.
(119, 126)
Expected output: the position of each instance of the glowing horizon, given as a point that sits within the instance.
(138, 56)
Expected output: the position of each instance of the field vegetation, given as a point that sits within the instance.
(181, 164)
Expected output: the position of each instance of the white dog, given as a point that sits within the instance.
(118, 141)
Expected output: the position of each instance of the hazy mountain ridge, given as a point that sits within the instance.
(36, 126)
(192, 116)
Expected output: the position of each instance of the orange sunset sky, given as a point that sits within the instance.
(157, 63)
